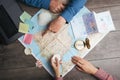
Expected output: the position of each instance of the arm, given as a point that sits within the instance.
(87, 67)
(54, 6)
(102, 75)
(38, 3)
(72, 9)
(56, 67)
(66, 16)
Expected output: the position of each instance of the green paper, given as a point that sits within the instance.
(25, 16)
(23, 28)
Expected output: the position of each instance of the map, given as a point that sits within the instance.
(62, 42)
(54, 43)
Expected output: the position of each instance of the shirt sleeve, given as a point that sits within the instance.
(37, 3)
(102, 75)
(71, 10)
(58, 78)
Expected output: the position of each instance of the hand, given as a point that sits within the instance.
(56, 24)
(84, 65)
(56, 67)
(38, 64)
(56, 6)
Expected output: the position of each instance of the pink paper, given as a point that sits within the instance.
(28, 38)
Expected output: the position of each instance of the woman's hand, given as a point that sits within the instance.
(56, 67)
(84, 65)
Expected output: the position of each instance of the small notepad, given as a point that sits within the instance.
(25, 16)
(23, 28)
(28, 38)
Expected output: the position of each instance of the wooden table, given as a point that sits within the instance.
(15, 65)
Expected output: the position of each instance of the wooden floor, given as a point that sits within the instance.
(15, 65)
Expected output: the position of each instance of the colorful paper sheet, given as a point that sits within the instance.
(28, 38)
(90, 23)
(25, 16)
(23, 28)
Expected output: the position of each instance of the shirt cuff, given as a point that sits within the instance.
(67, 16)
(58, 78)
(101, 74)
(45, 4)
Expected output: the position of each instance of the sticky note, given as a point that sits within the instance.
(25, 16)
(28, 38)
(30, 23)
(23, 28)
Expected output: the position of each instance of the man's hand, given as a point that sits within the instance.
(84, 65)
(56, 24)
(56, 6)
(56, 67)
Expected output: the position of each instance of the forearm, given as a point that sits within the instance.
(102, 75)
(71, 10)
(37, 3)
(57, 75)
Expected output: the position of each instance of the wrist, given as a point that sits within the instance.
(57, 73)
(61, 19)
(94, 71)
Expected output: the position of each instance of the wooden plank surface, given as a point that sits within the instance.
(12, 57)
(29, 9)
(29, 73)
(107, 48)
(102, 3)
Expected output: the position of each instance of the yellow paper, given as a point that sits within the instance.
(25, 16)
(23, 28)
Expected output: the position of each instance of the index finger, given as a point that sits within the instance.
(56, 60)
(78, 59)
